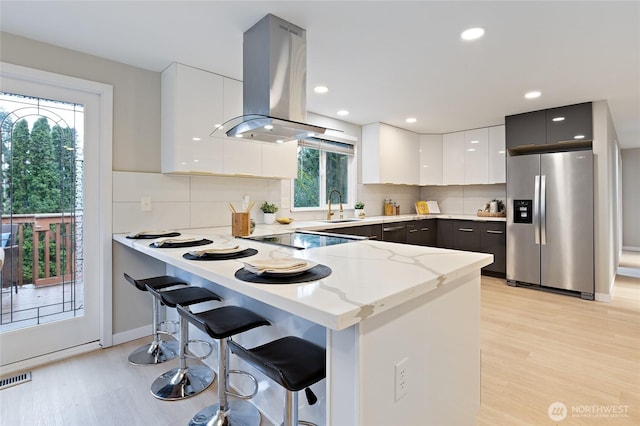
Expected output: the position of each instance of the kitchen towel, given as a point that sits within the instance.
(221, 256)
(152, 234)
(316, 273)
(180, 242)
(282, 265)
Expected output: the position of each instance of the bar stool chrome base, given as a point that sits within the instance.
(156, 353)
(182, 383)
(239, 413)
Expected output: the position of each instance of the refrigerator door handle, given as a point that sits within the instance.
(543, 209)
(536, 209)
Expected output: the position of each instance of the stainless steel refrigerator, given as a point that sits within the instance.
(550, 221)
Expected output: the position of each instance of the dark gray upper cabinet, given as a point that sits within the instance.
(533, 131)
(526, 129)
(569, 123)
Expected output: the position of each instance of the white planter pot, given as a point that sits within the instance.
(358, 213)
(269, 218)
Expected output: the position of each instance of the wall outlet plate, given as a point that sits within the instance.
(401, 374)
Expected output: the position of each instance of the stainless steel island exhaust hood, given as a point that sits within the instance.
(274, 84)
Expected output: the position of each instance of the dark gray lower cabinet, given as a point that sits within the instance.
(373, 232)
(466, 235)
(493, 240)
(395, 232)
(422, 232)
(445, 234)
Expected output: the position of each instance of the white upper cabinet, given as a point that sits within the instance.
(430, 159)
(497, 158)
(194, 101)
(453, 158)
(476, 156)
(390, 155)
(191, 104)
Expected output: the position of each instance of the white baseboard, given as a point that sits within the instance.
(630, 248)
(601, 297)
(30, 363)
(129, 335)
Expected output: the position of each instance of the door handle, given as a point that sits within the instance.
(536, 209)
(424, 229)
(412, 231)
(543, 210)
(489, 231)
(393, 228)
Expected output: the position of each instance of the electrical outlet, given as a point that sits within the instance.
(145, 204)
(401, 378)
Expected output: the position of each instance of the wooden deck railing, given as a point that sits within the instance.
(52, 241)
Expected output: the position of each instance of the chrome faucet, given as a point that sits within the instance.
(329, 212)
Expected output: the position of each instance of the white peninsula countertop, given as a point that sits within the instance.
(368, 277)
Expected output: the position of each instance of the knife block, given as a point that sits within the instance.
(240, 224)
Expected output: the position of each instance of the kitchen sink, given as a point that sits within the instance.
(350, 219)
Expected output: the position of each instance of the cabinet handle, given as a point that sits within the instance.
(465, 229)
(424, 229)
(489, 231)
(413, 230)
(393, 228)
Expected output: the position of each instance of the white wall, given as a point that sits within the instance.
(631, 199)
(605, 199)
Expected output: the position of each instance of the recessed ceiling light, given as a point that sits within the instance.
(578, 137)
(195, 139)
(471, 149)
(532, 95)
(557, 119)
(321, 89)
(475, 141)
(343, 112)
(500, 152)
(268, 127)
(279, 141)
(411, 120)
(238, 136)
(472, 33)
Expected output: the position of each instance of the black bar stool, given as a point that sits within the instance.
(292, 362)
(221, 324)
(159, 350)
(184, 381)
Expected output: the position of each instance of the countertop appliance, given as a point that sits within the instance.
(306, 239)
(550, 222)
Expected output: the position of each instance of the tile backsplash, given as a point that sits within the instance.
(468, 199)
(179, 201)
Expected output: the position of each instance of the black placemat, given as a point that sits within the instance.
(222, 256)
(316, 273)
(154, 236)
(202, 242)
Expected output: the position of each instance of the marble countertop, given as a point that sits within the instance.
(368, 277)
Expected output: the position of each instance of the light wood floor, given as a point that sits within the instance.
(537, 349)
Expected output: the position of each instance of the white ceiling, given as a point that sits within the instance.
(382, 60)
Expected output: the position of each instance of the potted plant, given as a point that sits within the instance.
(358, 210)
(269, 211)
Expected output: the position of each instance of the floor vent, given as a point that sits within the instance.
(15, 380)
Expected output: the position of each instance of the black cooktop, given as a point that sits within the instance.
(305, 240)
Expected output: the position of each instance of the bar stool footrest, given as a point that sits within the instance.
(191, 355)
(253, 379)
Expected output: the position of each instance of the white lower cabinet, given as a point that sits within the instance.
(390, 155)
